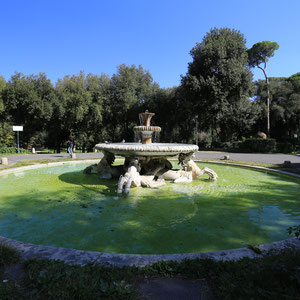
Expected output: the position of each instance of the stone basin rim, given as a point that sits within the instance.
(154, 149)
(83, 257)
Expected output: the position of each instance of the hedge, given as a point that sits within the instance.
(11, 150)
(259, 145)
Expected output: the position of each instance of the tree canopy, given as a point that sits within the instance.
(216, 104)
(261, 52)
(258, 54)
(219, 83)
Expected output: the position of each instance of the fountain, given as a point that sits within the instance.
(146, 163)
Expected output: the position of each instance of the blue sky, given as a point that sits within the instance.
(63, 37)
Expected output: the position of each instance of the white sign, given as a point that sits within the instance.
(17, 128)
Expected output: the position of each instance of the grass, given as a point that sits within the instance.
(8, 255)
(273, 276)
(253, 164)
(9, 289)
(25, 163)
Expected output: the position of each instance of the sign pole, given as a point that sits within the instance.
(18, 141)
(17, 129)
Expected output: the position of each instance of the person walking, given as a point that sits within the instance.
(70, 145)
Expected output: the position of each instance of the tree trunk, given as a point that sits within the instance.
(268, 99)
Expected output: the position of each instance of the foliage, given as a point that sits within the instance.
(7, 137)
(211, 106)
(259, 145)
(27, 101)
(12, 150)
(294, 229)
(8, 255)
(261, 52)
(275, 275)
(57, 280)
(2, 87)
(258, 54)
(285, 147)
(218, 85)
(284, 108)
(10, 290)
(131, 87)
(295, 80)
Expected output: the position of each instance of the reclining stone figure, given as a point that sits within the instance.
(105, 169)
(148, 172)
(132, 178)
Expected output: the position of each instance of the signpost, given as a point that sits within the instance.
(17, 129)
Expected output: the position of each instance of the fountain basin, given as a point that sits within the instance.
(59, 206)
(154, 149)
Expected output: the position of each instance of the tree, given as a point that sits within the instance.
(6, 132)
(284, 94)
(217, 82)
(73, 105)
(99, 88)
(169, 114)
(295, 80)
(260, 54)
(28, 102)
(131, 87)
(2, 87)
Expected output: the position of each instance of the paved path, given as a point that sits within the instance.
(252, 157)
(247, 157)
(13, 159)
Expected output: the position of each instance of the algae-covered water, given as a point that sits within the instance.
(61, 206)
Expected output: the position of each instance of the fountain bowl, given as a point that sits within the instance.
(153, 150)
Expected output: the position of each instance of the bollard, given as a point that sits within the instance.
(33, 150)
(287, 164)
(225, 157)
(4, 161)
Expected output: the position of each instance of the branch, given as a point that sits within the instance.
(264, 70)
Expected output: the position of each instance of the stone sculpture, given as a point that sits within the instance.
(146, 163)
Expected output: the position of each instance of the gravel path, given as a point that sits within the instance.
(247, 157)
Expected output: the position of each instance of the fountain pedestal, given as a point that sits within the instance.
(145, 129)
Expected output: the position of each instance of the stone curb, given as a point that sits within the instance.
(81, 257)
(249, 166)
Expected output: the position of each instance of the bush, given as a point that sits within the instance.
(259, 145)
(204, 139)
(284, 147)
(11, 150)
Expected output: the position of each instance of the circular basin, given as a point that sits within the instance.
(154, 149)
(60, 206)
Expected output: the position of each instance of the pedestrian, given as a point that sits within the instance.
(70, 145)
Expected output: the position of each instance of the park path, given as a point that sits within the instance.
(253, 157)
(245, 157)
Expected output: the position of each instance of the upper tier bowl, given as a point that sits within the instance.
(138, 149)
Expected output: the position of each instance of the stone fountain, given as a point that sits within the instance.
(146, 163)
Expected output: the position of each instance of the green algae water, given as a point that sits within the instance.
(60, 206)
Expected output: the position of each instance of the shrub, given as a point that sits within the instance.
(259, 145)
(284, 147)
(11, 150)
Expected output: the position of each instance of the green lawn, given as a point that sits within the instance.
(274, 276)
